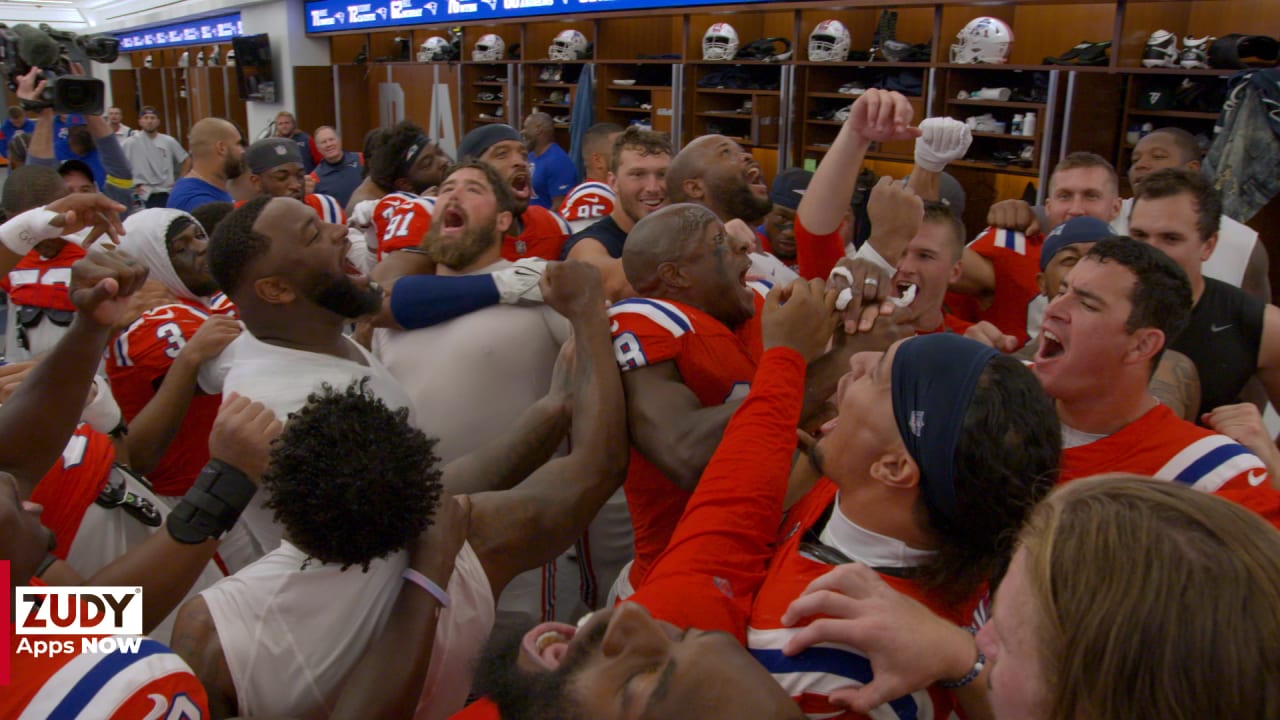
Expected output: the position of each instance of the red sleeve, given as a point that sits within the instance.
(646, 332)
(708, 575)
(153, 342)
(1260, 498)
(400, 223)
(72, 484)
(817, 254)
(482, 709)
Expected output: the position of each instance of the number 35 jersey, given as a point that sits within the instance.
(137, 363)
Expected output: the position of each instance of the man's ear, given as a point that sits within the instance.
(896, 468)
(1147, 342)
(1209, 245)
(503, 222)
(672, 275)
(275, 290)
(694, 189)
(1039, 283)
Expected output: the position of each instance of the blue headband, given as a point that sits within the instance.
(933, 379)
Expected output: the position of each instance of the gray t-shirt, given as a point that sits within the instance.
(156, 161)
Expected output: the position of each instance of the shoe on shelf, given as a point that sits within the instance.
(1162, 50)
(886, 29)
(1236, 51)
(1084, 53)
(1195, 52)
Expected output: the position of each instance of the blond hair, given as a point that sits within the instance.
(1153, 600)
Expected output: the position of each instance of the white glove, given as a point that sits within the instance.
(518, 284)
(22, 233)
(943, 140)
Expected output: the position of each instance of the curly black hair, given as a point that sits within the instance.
(234, 244)
(386, 163)
(1006, 462)
(344, 499)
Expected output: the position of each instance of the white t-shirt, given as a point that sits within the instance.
(291, 634)
(282, 378)
(1230, 258)
(470, 378)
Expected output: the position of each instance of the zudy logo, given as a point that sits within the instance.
(88, 610)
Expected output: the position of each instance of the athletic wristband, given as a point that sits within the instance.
(22, 233)
(974, 672)
(103, 414)
(425, 583)
(212, 505)
(870, 254)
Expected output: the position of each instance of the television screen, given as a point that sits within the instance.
(254, 74)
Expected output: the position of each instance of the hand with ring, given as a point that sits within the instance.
(863, 293)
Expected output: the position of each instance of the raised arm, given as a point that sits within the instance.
(37, 419)
(522, 528)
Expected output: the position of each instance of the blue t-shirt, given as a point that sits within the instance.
(339, 179)
(190, 193)
(8, 129)
(553, 175)
(62, 125)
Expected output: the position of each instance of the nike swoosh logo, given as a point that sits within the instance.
(1218, 328)
(1256, 477)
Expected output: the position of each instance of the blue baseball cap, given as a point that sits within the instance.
(1083, 229)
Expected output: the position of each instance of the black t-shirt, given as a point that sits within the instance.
(1222, 339)
(605, 230)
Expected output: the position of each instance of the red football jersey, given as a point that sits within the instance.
(136, 365)
(717, 364)
(73, 484)
(811, 675)
(401, 220)
(1016, 259)
(1165, 446)
(152, 682)
(588, 202)
(543, 236)
(43, 283)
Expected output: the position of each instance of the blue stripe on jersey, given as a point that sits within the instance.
(78, 698)
(1208, 462)
(1009, 241)
(679, 321)
(832, 662)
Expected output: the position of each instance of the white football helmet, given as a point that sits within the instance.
(720, 42)
(433, 48)
(568, 45)
(231, 58)
(829, 42)
(983, 40)
(489, 48)
(184, 59)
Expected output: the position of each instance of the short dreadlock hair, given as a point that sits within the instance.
(341, 498)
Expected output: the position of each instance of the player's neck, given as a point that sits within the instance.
(317, 332)
(928, 321)
(1108, 412)
(871, 507)
(622, 219)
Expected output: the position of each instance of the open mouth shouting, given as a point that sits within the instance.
(755, 180)
(521, 185)
(1051, 347)
(452, 219)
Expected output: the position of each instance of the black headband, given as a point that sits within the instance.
(933, 380)
(410, 155)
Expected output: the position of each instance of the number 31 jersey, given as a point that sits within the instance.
(137, 363)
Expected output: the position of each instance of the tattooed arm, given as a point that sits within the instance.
(1176, 384)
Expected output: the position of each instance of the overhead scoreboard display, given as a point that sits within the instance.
(335, 15)
(204, 30)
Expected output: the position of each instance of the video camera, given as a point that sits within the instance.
(23, 47)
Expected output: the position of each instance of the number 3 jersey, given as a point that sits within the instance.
(716, 363)
(137, 363)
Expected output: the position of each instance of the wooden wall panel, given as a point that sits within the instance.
(629, 38)
(344, 48)
(124, 93)
(1046, 30)
(314, 102)
(357, 113)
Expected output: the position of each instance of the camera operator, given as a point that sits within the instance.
(100, 149)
